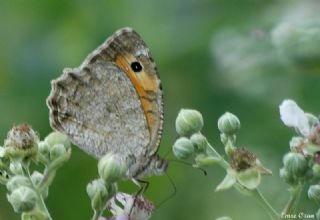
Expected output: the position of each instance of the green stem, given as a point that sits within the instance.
(293, 200)
(223, 163)
(96, 215)
(50, 171)
(41, 205)
(265, 204)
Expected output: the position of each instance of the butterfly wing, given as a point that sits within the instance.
(105, 106)
(98, 108)
(124, 48)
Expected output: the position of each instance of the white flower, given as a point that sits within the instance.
(293, 116)
(133, 207)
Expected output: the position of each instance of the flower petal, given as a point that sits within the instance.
(293, 116)
(134, 207)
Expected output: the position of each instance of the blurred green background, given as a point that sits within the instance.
(215, 56)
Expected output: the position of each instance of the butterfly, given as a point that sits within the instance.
(113, 103)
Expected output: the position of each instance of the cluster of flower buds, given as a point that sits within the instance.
(243, 169)
(302, 164)
(103, 193)
(27, 190)
(191, 142)
(111, 169)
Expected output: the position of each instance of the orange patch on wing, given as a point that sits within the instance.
(142, 82)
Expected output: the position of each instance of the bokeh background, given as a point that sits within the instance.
(215, 56)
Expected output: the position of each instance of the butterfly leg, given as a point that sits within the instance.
(143, 186)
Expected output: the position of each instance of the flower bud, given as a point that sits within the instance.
(16, 168)
(111, 168)
(199, 142)
(287, 177)
(36, 178)
(23, 199)
(295, 163)
(228, 123)
(188, 122)
(16, 182)
(296, 143)
(183, 148)
(57, 151)
(58, 138)
(96, 188)
(43, 148)
(22, 142)
(99, 193)
(314, 192)
(36, 214)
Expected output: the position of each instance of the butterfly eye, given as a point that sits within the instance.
(136, 66)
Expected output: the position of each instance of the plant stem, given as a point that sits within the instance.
(42, 206)
(223, 163)
(96, 215)
(51, 169)
(265, 204)
(293, 200)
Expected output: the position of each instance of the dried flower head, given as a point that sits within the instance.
(242, 159)
(22, 141)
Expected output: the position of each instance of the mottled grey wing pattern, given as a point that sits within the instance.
(98, 108)
(128, 43)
